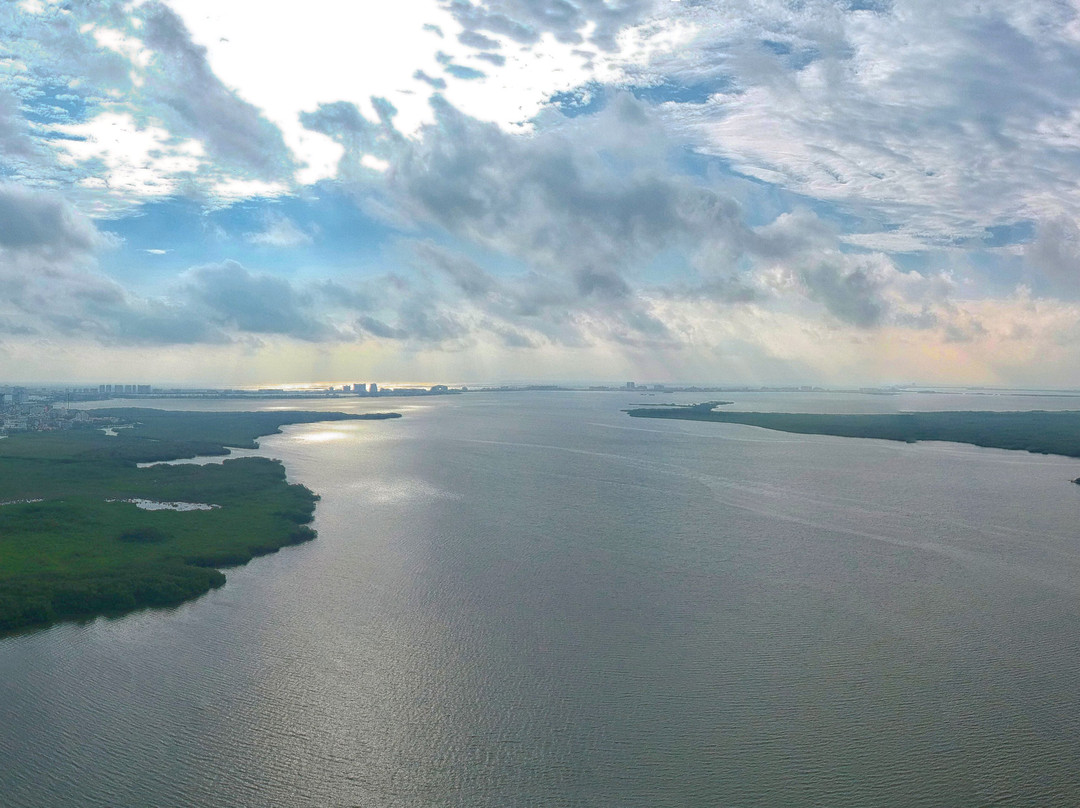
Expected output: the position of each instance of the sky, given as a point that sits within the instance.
(828, 192)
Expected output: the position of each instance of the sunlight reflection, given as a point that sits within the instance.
(322, 436)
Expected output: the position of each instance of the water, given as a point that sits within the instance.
(533, 600)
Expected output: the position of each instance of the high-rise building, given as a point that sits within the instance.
(373, 389)
(359, 389)
(630, 385)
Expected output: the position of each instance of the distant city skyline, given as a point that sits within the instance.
(826, 193)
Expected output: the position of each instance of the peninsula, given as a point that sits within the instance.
(85, 531)
(1038, 431)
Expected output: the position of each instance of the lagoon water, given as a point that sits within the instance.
(530, 599)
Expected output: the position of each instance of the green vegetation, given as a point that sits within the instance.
(75, 554)
(1037, 431)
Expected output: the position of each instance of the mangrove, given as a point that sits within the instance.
(1037, 431)
(74, 543)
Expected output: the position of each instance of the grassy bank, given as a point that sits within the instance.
(1038, 431)
(67, 551)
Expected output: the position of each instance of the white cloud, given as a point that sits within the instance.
(940, 119)
(337, 51)
(134, 161)
(280, 231)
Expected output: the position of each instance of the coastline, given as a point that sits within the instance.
(76, 544)
(1035, 431)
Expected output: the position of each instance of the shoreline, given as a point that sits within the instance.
(75, 545)
(1036, 431)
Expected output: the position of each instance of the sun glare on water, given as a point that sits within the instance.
(321, 436)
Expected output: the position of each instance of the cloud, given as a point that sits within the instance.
(418, 320)
(344, 123)
(725, 181)
(930, 122)
(526, 21)
(549, 238)
(478, 41)
(585, 205)
(552, 199)
(434, 81)
(16, 144)
(45, 222)
(280, 231)
(181, 80)
(851, 294)
(464, 72)
(723, 290)
(132, 321)
(54, 289)
(211, 304)
(115, 102)
(233, 298)
(467, 276)
(1055, 254)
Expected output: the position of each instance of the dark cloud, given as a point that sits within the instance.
(601, 283)
(418, 320)
(55, 290)
(513, 339)
(422, 318)
(233, 297)
(43, 220)
(533, 308)
(377, 328)
(559, 198)
(129, 321)
(467, 276)
(1055, 255)
(851, 294)
(581, 208)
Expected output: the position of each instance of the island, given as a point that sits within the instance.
(1038, 431)
(86, 531)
